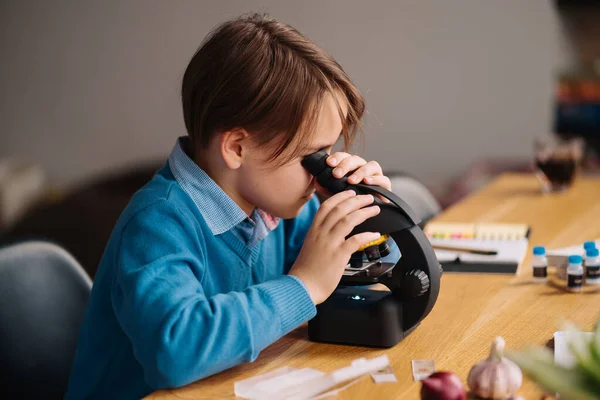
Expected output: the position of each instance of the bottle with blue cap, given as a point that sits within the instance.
(589, 245)
(575, 273)
(539, 264)
(592, 266)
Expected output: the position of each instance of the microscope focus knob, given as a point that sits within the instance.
(415, 283)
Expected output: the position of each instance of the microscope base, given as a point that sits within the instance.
(359, 317)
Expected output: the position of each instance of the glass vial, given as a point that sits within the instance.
(539, 264)
(575, 273)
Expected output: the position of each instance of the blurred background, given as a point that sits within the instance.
(456, 94)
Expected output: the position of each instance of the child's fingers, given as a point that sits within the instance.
(348, 164)
(343, 210)
(372, 168)
(334, 159)
(357, 176)
(357, 217)
(354, 242)
(379, 180)
(331, 204)
(382, 181)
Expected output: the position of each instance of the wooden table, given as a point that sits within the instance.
(471, 309)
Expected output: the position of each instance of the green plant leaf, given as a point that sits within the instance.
(538, 364)
(581, 349)
(595, 346)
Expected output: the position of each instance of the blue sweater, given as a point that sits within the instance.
(173, 303)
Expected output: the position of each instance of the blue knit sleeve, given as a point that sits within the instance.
(296, 230)
(179, 334)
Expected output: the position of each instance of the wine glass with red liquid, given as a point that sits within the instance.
(556, 163)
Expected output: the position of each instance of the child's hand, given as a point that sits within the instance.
(326, 251)
(368, 172)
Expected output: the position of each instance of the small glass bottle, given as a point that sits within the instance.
(539, 265)
(592, 267)
(575, 273)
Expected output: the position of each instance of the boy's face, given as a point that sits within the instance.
(283, 191)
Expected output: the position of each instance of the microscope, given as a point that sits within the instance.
(357, 315)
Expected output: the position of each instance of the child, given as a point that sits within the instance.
(226, 249)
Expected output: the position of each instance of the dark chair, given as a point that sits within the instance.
(43, 294)
(83, 220)
(416, 195)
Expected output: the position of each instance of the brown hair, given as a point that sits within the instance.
(263, 76)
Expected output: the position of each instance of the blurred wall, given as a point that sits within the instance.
(90, 86)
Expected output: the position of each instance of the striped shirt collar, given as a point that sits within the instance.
(219, 211)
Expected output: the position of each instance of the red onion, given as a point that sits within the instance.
(443, 386)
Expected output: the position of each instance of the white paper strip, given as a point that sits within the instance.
(296, 384)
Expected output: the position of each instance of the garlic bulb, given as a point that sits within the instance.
(495, 377)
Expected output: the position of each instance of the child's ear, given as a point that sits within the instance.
(233, 146)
